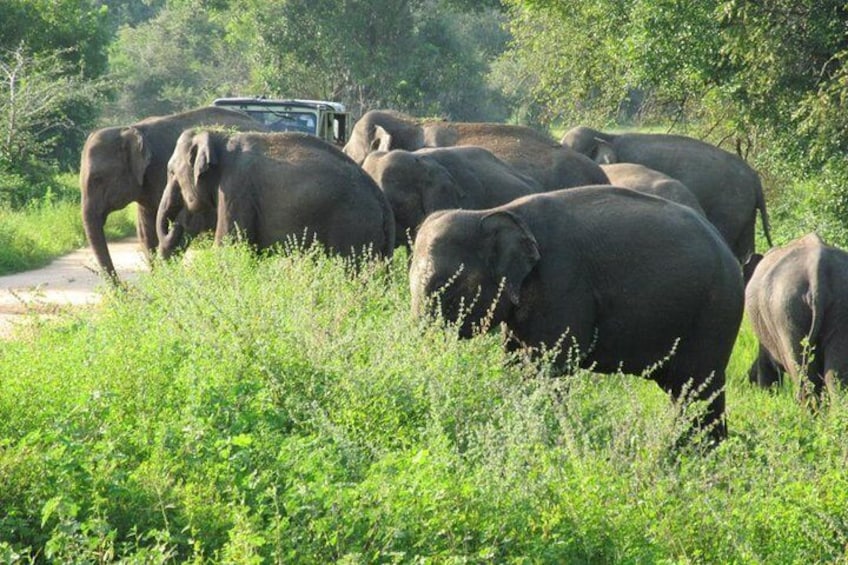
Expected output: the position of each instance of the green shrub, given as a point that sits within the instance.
(33, 236)
(288, 409)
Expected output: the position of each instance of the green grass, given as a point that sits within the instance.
(260, 410)
(35, 235)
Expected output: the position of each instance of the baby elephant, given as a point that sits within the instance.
(579, 264)
(646, 180)
(797, 302)
(274, 186)
(421, 182)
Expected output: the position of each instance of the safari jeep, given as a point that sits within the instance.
(327, 120)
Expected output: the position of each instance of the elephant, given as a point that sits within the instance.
(648, 181)
(420, 182)
(727, 188)
(797, 303)
(528, 151)
(127, 164)
(577, 265)
(273, 187)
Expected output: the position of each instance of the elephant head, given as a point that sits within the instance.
(193, 178)
(383, 130)
(415, 186)
(590, 142)
(470, 266)
(114, 163)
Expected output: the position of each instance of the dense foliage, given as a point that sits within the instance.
(758, 77)
(35, 235)
(419, 55)
(751, 69)
(258, 410)
(52, 55)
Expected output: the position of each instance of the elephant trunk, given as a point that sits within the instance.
(169, 231)
(94, 221)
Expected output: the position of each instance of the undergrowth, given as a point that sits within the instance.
(243, 409)
(35, 234)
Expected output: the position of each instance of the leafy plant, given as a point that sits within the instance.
(289, 408)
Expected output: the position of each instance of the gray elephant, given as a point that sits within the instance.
(421, 182)
(272, 187)
(648, 181)
(128, 164)
(528, 151)
(727, 188)
(579, 264)
(797, 302)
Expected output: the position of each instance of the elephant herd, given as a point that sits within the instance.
(627, 251)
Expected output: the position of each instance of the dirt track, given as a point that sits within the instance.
(69, 282)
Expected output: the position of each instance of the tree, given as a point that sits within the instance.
(774, 68)
(34, 91)
(788, 69)
(176, 61)
(607, 59)
(77, 28)
(63, 41)
(399, 54)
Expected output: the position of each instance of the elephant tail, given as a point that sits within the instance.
(761, 206)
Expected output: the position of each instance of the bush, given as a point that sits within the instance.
(33, 236)
(265, 409)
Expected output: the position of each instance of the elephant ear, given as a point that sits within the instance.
(604, 152)
(203, 154)
(382, 139)
(443, 191)
(137, 152)
(510, 249)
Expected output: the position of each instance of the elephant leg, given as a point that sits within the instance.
(835, 369)
(709, 389)
(696, 371)
(146, 229)
(808, 372)
(834, 353)
(235, 221)
(764, 370)
(743, 247)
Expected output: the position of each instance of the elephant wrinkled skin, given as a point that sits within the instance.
(728, 190)
(128, 164)
(273, 187)
(421, 182)
(797, 302)
(579, 264)
(526, 150)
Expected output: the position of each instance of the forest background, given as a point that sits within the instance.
(767, 80)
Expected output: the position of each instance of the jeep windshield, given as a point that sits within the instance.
(324, 119)
(285, 121)
(276, 115)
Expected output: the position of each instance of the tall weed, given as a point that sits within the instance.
(32, 236)
(289, 408)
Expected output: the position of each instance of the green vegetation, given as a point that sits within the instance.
(33, 235)
(280, 409)
(767, 80)
(246, 410)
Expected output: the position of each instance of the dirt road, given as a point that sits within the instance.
(69, 282)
